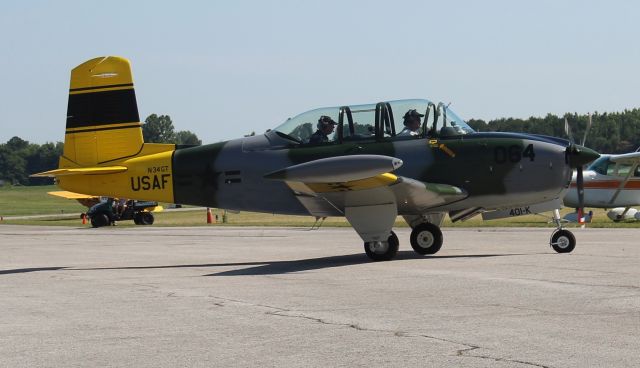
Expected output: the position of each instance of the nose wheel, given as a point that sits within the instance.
(563, 241)
(426, 238)
(382, 250)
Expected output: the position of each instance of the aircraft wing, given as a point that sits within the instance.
(370, 203)
(327, 187)
(626, 158)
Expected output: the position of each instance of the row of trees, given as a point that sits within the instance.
(609, 133)
(19, 158)
(159, 129)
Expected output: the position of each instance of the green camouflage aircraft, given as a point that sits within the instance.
(368, 163)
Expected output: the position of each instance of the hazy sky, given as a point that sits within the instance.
(225, 68)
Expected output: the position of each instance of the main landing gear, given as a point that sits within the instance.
(426, 238)
(562, 240)
(382, 250)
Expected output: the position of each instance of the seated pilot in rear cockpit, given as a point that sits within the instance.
(411, 124)
(326, 125)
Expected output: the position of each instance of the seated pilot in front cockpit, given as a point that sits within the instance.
(411, 124)
(326, 125)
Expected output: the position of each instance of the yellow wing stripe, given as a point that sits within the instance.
(69, 195)
(362, 184)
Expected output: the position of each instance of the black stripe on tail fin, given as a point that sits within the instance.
(103, 123)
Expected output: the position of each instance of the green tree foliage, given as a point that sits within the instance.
(19, 159)
(610, 132)
(159, 129)
(186, 137)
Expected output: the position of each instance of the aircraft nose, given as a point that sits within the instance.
(579, 156)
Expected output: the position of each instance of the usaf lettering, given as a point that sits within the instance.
(147, 182)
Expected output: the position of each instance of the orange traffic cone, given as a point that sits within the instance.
(581, 219)
(84, 218)
(209, 216)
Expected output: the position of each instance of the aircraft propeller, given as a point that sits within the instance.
(578, 156)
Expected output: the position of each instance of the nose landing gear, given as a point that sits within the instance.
(562, 240)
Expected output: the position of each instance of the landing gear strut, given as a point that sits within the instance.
(562, 240)
(426, 238)
(382, 250)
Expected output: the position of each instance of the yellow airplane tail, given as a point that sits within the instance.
(104, 152)
(103, 124)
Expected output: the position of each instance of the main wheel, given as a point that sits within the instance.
(563, 241)
(146, 218)
(137, 219)
(99, 220)
(426, 238)
(383, 250)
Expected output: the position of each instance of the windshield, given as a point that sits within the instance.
(381, 121)
(605, 166)
(456, 122)
(301, 127)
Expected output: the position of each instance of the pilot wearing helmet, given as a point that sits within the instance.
(411, 124)
(326, 125)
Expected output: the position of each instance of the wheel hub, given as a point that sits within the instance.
(562, 242)
(378, 246)
(425, 239)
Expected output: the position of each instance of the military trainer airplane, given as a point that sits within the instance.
(368, 163)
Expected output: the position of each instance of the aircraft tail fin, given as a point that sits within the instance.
(103, 124)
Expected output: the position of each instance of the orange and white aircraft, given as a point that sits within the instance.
(611, 181)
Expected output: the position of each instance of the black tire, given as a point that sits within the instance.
(146, 218)
(100, 220)
(563, 241)
(383, 253)
(426, 238)
(137, 219)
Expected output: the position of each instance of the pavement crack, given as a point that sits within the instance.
(466, 353)
(632, 287)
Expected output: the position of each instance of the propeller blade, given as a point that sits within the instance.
(586, 131)
(580, 188)
(567, 130)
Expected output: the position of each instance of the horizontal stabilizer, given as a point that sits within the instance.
(82, 171)
(338, 169)
(70, 195)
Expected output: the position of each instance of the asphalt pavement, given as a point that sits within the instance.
(274, 297)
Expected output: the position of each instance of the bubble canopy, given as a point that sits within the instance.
(377, 121)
